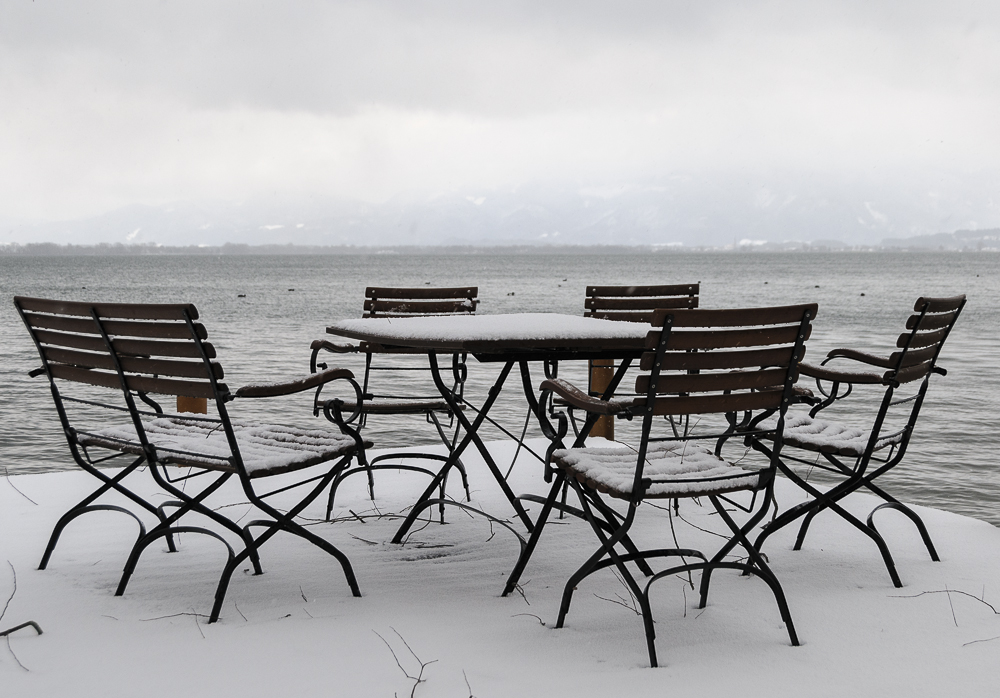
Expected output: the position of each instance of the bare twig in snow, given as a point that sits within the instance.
(11, 650)
(7, 477)
(948, 591)
(520, 590)
(531, 615)
(173, 615)
(467, 685)
(419, 678)
(11, 597)
(198, 625)
(239, 611)
(363, 540)
(988, 639)
(303, 594)
(952, 606)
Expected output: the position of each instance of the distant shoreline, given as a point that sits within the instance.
(48, 249)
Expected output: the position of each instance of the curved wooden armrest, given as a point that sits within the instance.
(293, 386)
(335, 347)
(861, 356)
(829, 374)
(580, 399)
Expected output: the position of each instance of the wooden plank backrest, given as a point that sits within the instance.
(157, 346)
(637, 303)
(760, 350)
(405, 302)
(927, 331)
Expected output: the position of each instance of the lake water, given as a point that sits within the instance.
(262, 329)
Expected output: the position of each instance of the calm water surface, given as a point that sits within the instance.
(863, 298)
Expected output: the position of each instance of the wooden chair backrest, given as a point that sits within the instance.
(141, 347)
(703, 361)
(410, 302)
(928, 328)
(637, 303)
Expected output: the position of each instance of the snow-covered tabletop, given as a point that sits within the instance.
(496, 333)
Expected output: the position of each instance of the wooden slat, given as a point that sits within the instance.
(129, 311)
(152, 347)
(931, 322)
(161, 386)
(938, 305)
(377, 307)
(157, 367)
(668, 290)
(922, 339)
(133, 347)
(707, 361)
(120, 328)
(912, 373)
(469, 292)
(84, 375)
(644, 317)
(639, 303)
(720, 339)
(708, 382)
(740, 317)
(704, 404)
(170, 386)
(913, 356)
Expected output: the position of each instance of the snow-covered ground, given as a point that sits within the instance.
(297, 631)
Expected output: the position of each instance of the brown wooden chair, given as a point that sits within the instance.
(105, 362)
(857, 457)
(699, 362)
(635, 303)
(383, 390)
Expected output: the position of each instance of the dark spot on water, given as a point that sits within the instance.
(817, 286)
(291, 289)
(241, 295)
(862, 294)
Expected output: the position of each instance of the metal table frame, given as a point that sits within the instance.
(508, 351)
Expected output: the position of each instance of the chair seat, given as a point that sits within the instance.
(805, 432)
(676, 470)
(266, 449)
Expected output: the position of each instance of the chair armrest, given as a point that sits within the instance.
(335, 347)
(861, 356)
(829, 374)
(580, 399)
(293, 386)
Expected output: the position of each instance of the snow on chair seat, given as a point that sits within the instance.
(675, 469)
(803, 431)
(266, 449)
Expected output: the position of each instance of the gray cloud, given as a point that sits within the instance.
(104, 104)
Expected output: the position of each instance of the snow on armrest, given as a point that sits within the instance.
(861, 356)
(293, 386)
(335, 347)
(578, 398)
(829, 374)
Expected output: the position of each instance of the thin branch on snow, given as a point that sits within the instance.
(530, 615)
(419, 678)
(467, 685)
(949, 592)
(7, 477)
(11, 597)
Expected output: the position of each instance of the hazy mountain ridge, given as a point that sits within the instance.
(688, 211)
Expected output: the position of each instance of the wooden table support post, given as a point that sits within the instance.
(601, 373)
(195, 405)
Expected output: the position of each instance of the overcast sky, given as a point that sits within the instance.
(105, 104)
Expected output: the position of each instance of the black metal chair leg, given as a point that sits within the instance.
(917, 521)
(78, 511)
